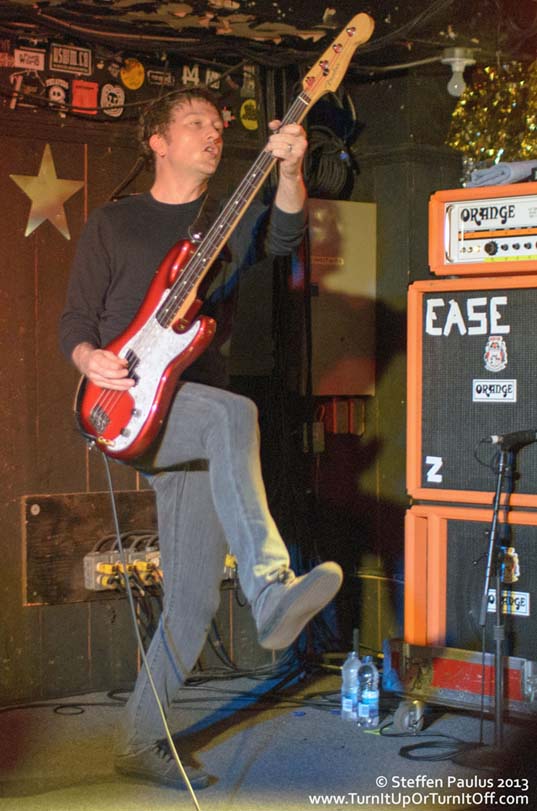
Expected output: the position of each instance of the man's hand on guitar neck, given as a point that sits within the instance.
(289, 144)
(102, 367)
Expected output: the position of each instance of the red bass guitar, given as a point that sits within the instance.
(165, 336)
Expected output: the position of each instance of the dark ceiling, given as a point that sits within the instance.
(278, 32)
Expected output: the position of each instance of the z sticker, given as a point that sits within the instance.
(434, 464)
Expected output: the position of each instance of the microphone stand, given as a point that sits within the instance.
(489, 756)
(494, 567)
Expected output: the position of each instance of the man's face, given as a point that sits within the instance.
(192, 143)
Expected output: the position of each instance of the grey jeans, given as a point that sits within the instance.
(201, 513)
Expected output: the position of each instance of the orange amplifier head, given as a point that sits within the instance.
(487, 230)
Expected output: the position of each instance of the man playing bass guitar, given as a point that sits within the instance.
(201, 512)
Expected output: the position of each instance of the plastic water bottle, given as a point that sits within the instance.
(349, 687)
(368, 685)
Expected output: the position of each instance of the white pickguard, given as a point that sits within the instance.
(155, 347)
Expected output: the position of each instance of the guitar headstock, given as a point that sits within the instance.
(328, 71)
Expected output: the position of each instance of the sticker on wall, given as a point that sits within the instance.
(190, 75)
(162, 78)
(57, 90)
(248, 114)
(114, 69)
(84, 96)
(29, 58)
(248, 82)
(26, 85)
(212, 78)
(132, 74)
(48, 194)
(70, 59)
(112, 100)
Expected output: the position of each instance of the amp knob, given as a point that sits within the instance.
(491, 248)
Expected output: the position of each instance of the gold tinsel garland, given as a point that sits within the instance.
(496, 117)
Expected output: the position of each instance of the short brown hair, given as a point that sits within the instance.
(157, 117)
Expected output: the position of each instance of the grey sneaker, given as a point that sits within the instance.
(156, 764)
(290, 602)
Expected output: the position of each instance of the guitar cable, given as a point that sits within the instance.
(143, 656)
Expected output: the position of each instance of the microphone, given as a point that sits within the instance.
(517, 439)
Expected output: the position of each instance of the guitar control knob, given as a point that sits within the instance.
(491, 248)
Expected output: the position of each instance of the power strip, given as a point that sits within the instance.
(103, 570)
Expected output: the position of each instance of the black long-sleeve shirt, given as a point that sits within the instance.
(123, 244)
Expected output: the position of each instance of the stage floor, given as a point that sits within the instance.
(266, 747)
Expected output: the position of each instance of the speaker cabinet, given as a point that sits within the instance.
(472, 359)
(445, 565)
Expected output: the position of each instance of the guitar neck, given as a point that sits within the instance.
(215, 239)
(226, 223)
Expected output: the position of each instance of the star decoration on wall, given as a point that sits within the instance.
(48, 194)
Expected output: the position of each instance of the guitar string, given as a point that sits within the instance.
(167, 312)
